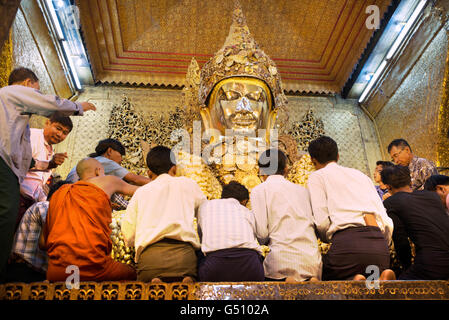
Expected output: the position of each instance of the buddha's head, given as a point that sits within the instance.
(243, 104)
(240, 87)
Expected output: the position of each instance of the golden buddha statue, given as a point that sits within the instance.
(239, 97)
(237, 103)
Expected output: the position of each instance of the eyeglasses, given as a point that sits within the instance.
(396, 155)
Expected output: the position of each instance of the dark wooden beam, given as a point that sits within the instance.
(8, 10)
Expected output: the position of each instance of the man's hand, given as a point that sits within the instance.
(57, 160)
(370, 219)
(88, 106)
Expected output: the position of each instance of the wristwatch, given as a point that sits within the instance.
(39, 165)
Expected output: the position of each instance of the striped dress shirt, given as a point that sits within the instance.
(284, 221)
(225, 224)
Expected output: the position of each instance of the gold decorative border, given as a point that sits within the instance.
(135, 290)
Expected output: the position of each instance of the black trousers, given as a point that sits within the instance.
(353, 250)
(429, 264)
(9, 209)
(235, 264)
(24, 204)
(21, 272)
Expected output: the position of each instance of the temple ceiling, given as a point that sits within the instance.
(315, 44)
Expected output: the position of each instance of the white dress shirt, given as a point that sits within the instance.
(163, 208)
(340, 196)
(284, 219)
(225, 224)
(32, 185)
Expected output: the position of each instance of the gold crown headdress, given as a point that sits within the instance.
(241, 56)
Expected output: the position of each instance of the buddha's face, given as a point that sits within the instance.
(241, 104)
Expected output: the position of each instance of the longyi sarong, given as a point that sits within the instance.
(234, 264)
(168, 259)
(353, 250)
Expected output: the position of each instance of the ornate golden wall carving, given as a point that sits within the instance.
(134, 290)
(92, 127)
(6, 61)
(342, 119)
(443, 117)
(345, 122)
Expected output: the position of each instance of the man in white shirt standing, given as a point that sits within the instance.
(159, 222)
(348, 213)
(284, 222)
(34, 186)
(228, 240)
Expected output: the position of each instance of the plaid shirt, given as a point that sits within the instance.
(118, 202)
(26, 240)
(420, 170)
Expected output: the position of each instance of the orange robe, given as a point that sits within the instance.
(78, 233)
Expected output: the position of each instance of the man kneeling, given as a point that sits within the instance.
(349, 213)
(420, 216)
(229, 243)
(159, 222)
(77, 230)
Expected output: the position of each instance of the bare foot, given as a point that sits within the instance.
(188, 280)
(290, 280)
(156, 280)
(387, 274)
(359, 277)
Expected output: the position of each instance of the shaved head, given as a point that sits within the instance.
(88, 167)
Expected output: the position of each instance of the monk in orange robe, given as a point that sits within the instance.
(77, 230)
